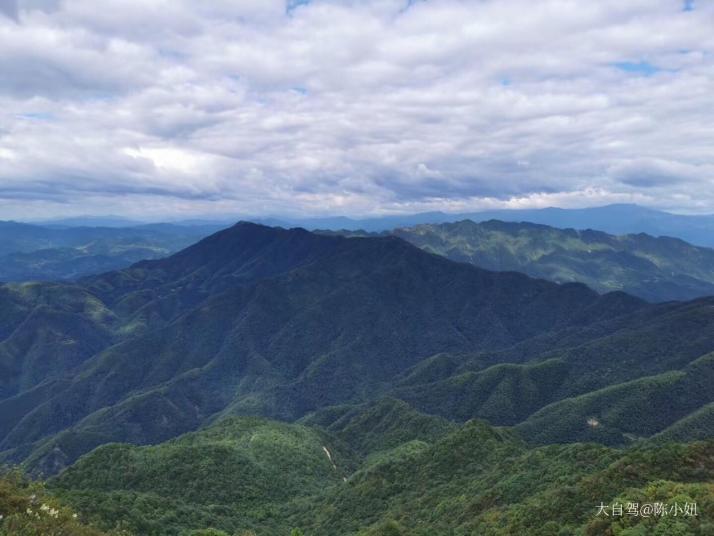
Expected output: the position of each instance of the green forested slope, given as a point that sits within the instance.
(644, 372)
(379, 426)
(234, 475)
(639, 408)
(482, 481)
(656, 269)
(472, 480)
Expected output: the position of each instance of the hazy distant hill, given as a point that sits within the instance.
(656, 269)
(614, 219)
(32, 252)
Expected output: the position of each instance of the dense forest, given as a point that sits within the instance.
(269, 381)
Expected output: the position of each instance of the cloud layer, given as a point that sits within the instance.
(175, 107)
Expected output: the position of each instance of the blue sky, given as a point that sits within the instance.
(175, 108)
(638, 67)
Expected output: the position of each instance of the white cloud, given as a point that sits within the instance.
(8, 8)
(354, 107)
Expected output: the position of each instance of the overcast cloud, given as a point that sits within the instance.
(172, 108)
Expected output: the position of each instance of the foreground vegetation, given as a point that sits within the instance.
(27, 509)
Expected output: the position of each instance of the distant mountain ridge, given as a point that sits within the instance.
(656, 269)
(618, 219)
(43, 253)
(76, 247)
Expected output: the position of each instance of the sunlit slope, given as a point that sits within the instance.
(656, 269)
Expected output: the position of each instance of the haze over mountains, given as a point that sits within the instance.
(617, 219)
(613, 219)
(46, 253)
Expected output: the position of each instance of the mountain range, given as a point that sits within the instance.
(655, 269)
(388, 356)
(618, 219)
(268, 321)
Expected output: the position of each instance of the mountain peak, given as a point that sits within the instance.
(238, 255)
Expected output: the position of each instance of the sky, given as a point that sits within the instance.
(176, 108)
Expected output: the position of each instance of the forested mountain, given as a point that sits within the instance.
(617, 219)
(655, 269)
(296, 326)
(255, 320)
